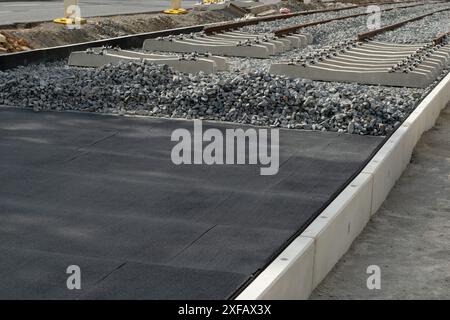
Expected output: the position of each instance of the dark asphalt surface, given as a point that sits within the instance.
(102, 193)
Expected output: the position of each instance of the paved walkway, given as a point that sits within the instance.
(409, 238)
(32, 11)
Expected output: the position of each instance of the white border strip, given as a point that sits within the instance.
(307, 260)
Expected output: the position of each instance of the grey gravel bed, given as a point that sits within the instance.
(252, 98)
(419, 31)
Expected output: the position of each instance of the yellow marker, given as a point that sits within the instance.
(175, 8)
(212, 1)
(72, 14)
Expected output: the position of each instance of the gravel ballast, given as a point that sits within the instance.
(252, 98)
(419, 31)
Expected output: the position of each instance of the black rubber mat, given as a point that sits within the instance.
(102, 193)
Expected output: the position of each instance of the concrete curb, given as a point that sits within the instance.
(300, 268)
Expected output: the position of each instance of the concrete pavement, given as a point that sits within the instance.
(32, 11)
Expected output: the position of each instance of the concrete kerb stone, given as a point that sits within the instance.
(335, 229)
(288, 277)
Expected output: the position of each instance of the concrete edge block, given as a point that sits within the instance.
(288, 277)
(386, 168)
(339, 224)
(392, 159)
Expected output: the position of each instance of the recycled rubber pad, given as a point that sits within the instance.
(101, 192)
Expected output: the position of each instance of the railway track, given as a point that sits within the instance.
(377, 63)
